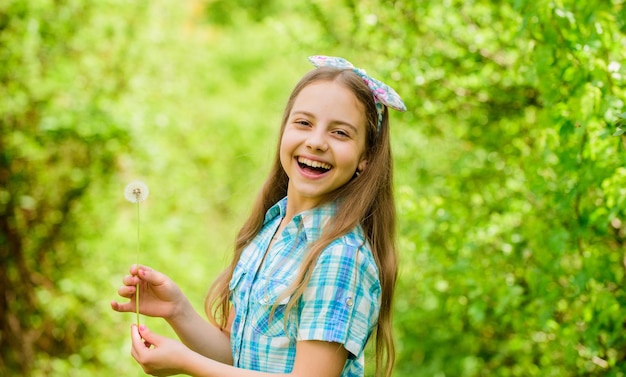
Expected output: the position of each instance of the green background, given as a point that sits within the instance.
(509, 168)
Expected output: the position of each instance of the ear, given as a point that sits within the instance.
(362, 165)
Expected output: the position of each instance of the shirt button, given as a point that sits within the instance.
(349, 302)
(266, 299)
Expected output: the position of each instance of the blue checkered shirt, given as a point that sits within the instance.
(340, 303)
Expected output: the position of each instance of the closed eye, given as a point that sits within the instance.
(342, 133)
(303, 122)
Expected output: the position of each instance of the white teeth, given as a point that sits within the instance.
(313, 164)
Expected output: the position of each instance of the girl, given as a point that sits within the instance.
(315, 264)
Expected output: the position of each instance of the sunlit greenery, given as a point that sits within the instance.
(509, 168)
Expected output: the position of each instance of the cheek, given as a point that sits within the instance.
(349, 163)
(284, 153)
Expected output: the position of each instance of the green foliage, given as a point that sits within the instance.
(621, 122)
(58, 137)
(509, 189)
(509, 168)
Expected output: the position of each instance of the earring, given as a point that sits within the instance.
(357, 173)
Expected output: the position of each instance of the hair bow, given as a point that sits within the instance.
(383, 94)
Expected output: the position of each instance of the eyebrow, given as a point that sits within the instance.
(306, 113)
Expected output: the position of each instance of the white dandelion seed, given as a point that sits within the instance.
(136, 192)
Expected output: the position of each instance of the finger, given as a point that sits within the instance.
(150, 338)
(151, 276)
(123, 307)
(136, 343)
(130, 280)
(127, 291)
(136, 337)
(134, 269)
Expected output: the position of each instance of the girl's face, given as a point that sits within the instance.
(323, 143)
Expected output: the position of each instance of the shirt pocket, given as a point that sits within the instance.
(268, 316)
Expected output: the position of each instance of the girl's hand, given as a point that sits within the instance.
(157, 355)
(159, 296)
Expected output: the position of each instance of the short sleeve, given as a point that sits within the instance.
(342, 300)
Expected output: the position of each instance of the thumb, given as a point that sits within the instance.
(150, 338)
(151, 276)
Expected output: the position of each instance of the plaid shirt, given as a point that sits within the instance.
(340, 303)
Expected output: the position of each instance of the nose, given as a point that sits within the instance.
(316, 140)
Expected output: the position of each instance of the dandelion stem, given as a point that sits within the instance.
(138, 248)
(137, 192)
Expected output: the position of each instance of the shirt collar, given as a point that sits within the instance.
(311, 221)
(276, 210)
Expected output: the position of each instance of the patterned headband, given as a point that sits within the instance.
(383, 94)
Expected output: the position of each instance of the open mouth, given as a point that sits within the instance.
(313, 167)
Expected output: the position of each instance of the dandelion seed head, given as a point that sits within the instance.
(136, 192)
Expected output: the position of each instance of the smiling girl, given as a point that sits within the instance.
(314, 266)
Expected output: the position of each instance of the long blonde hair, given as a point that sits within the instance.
(366, 201)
